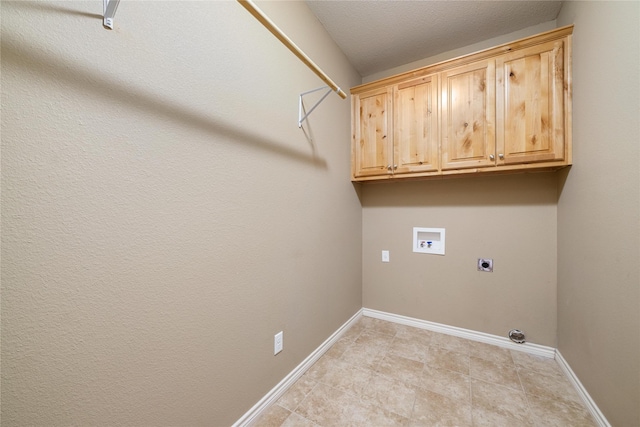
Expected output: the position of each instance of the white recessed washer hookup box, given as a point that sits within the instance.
(428, 240)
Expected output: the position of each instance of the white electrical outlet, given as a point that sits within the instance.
(277, 343)
(385, 256)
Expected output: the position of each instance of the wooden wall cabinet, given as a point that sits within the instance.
(415, 126)
(395, 130)
(505, 109)
(372, 155)
(468, 101)
(531, 107)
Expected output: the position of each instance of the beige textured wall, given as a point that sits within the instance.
(511, 219)
(481, 45)
(162, 214)
(599, 210)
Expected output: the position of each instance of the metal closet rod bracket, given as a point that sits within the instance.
(109, 10)
(302, 118)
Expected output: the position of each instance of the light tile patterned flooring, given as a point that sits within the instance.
(385, 374)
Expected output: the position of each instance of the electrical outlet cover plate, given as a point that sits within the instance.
(277, 343)
(485, 264)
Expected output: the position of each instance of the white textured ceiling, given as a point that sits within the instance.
(380, 34)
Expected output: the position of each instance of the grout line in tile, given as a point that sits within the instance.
(526, 397)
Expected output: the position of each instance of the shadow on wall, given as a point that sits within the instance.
(52, 8)
(501, 190)
(563, 175)
(117, 92)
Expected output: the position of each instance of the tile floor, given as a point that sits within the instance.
(385, 374)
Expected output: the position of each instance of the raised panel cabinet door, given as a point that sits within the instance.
(415, 126)
(468, 116)
(372, 145)
(530, 122)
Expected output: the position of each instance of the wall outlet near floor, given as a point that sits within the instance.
(485, 264)
(385, 256)
(277, 343)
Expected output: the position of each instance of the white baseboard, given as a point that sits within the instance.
(534, 349)
(294, 375)
(582, 392)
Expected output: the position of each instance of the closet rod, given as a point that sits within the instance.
(264, 20)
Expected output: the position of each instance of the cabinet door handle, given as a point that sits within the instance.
(491, 156)
(501, 156)
(395, 166)
(388, 167)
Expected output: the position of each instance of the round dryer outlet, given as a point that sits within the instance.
(485, 264)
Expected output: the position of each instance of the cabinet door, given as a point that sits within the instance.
(415, 126)
(372, 145)
(530, 104)
(468, 116)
